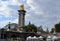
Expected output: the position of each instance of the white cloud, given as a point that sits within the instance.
(24, 0)
(5, 9)
(45, 12)
(39, 12)
(7, 12)
(15, 21)
(35, 7)
(13, 2)
(3, 23)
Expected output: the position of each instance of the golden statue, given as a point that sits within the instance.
(22, 7)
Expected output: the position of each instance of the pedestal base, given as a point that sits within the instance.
(21, 35)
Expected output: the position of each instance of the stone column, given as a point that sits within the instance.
(21, 20)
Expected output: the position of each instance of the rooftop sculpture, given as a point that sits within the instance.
(21, 6)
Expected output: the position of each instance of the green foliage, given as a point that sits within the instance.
(31, 28)
(57, 27)
(52, 30)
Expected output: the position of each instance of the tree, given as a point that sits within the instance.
(52, 30)
(57, 27)
(30, 28)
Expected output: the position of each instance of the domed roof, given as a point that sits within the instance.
(40, 37)
(35, 37)
(12, 25)
(54, 37)
(30, 37)
(49, 37)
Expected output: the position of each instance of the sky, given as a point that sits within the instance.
(45, 13)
